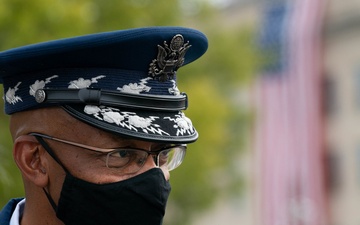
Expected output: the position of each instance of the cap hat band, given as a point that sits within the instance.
(111, 98)
(62, 84)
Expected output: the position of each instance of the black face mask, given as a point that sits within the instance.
(135, 201)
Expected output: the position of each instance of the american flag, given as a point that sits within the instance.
(289, 141)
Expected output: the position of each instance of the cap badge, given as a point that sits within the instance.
(169, 59)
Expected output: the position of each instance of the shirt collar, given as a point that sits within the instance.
(17, 214)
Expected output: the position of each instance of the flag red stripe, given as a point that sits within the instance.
(289, 126)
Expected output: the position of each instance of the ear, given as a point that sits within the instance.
(29, 157)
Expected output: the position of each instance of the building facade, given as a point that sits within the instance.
(342, 109)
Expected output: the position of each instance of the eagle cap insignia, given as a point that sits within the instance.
(169, 59)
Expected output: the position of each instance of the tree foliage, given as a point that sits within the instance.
(211, 84)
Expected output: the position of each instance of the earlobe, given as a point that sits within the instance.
(28, 157)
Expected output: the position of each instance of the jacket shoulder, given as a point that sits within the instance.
(7, 211)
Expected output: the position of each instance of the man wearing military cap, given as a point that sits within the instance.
(85, 115)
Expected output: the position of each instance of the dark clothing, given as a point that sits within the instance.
(7, 211)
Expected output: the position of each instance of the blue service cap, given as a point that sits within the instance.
(122, 81)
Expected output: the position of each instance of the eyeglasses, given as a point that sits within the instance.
(131, 160)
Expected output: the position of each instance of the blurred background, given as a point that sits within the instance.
(276, 100)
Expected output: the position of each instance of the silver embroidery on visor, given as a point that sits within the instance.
(127, 120)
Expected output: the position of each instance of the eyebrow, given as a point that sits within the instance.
(131, 144)
(154, 146)
(128, 142)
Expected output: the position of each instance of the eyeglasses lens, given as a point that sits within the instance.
(132, 160)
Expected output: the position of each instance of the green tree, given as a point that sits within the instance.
(211, 83)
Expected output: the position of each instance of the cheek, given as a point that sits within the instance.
(94, 170)
(85, 167)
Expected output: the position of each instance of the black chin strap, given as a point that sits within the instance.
(52, 154)
(49, 150)
(53, 204)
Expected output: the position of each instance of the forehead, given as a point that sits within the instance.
(51, 119)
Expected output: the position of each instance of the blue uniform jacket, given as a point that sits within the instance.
(7, 211)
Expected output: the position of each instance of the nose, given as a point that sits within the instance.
(151, 163)
(166, 173)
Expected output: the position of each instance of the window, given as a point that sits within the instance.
(357, 88)
(332, 171)
(329, 95)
